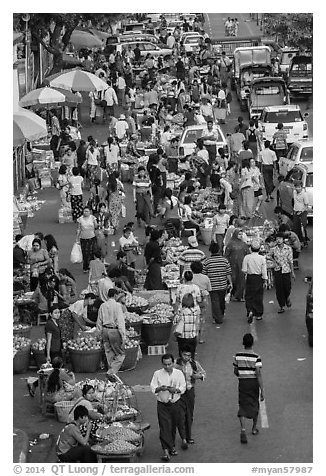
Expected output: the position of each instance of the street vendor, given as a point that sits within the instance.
(120, 272)
(87, 400)
(60, 383)
(71, 446)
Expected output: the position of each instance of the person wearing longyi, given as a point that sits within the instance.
(168, 384)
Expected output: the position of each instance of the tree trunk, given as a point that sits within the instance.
(57, 63)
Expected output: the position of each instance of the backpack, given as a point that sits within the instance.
(251, 136)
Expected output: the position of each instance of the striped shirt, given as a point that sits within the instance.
(190, 255)
(142, 185)
(217, 268)
(247, 363)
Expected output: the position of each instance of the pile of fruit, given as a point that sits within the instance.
(173, 253)
(39, 344)
(116, 447)
(124, 412)
(131, 333)
(113, 433)
(135, 301)
(20, 343)
(161, 310)
(85, 343)
(132, 317)
(21, 327)
(131, 343)
(170, 272)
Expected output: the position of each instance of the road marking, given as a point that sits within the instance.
(263, 415)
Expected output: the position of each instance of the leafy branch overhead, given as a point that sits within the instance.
(53, 30)
(291, 29)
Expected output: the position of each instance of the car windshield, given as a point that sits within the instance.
(267, 90)
(301, 69)
(192, 39)
(309, 180)
(283, 116)
(192, 135)
(306, 154)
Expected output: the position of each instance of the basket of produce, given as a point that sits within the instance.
(156, 330)
(62, 410)
(134, 320)
(21, 354)
(38, 351)
(154, 297)
(131, 355)
(85, 354)
(133, 334)
(136, 304)
(23, 330)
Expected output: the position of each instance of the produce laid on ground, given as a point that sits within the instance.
(20, 343)
(112, 433)
(117, 447)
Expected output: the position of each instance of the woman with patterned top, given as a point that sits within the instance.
(187, 324)
(142, 196)
(247, 367)
(282, 256)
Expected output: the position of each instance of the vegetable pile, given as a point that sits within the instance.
(116, 447)
(39, 344)
(85, 343)
(20, 343)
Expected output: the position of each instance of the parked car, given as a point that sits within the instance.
(299, 152)
(190, 135)
(192, 42)
(172, 25)
(290, 116)
(147, 47)
(302, 173)
(138, 37)
(309, 310)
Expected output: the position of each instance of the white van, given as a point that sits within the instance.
(290, 116)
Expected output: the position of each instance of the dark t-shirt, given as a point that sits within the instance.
(19, 256)
(92, 311)
(52, 328)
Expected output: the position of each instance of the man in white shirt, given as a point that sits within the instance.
(300, 211)
(210, 136)
(121, 127)
(255, 269)
(110, 97)
(168, 384)
(268, 162)
(79, 311)
(121, 88)
(25, 243)
(220, 224)
(170, 42)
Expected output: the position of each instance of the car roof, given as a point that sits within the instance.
(286, 107)
(202, 126)
(303, 143)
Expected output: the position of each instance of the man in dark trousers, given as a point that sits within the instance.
(168, 384)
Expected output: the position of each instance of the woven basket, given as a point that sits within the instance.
(87, 361)
(21, 360)
(23, 332)
(135, 325)
(130, 360)
(62, 410)
(39, 357)
(156, 334)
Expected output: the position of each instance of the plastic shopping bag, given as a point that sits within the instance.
(76, 254)
(123, 211)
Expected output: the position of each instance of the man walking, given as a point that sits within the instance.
(255, 268)
(109, 99)
(210, 136)
(218, 269)
(268, 160)
(283, 271)
(168, 384)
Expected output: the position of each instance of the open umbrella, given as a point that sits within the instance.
(78, 80)
(27, 126)
(85, 39)
(42, 96)
(102, 35)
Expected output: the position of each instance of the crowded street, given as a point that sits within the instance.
(136, 178)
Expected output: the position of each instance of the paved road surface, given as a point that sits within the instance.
(281, 341)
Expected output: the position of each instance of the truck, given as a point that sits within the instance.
(249, 63)
(230, 43)
(299, 79)
(267, 91)
(284, 59)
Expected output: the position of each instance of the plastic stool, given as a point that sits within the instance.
(157, 349)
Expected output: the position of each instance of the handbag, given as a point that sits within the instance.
(76, 255)
(103, 103)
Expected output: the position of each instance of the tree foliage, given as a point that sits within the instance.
(291, 29)
(53, 30)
